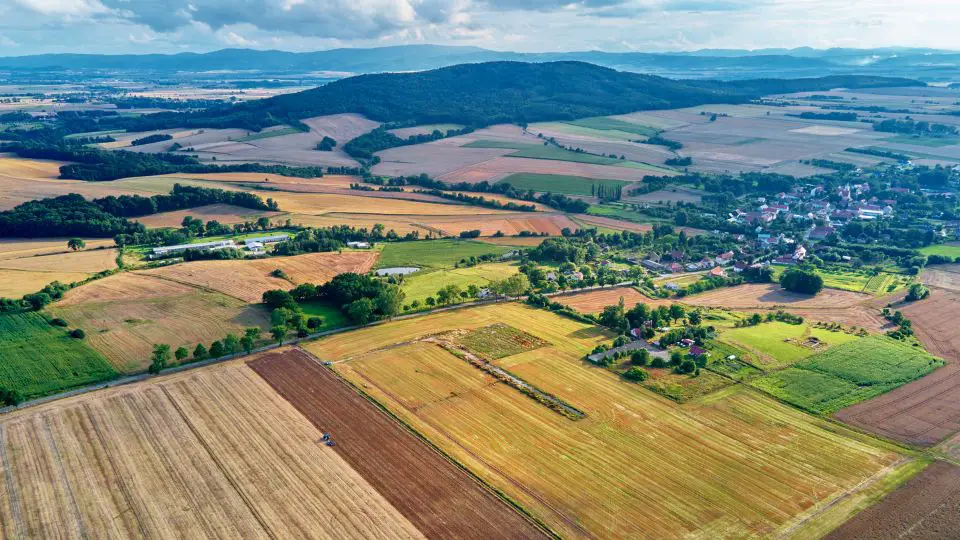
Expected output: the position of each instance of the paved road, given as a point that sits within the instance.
(130, 379)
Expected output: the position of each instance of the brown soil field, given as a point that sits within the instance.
(13, 248)
(770, 296)
(224, 213)
(927, 410)
(595, 301)
(212, 453)
(440, 499)
(126, 314)
(247, 280)
(831, 305)
(944, 276)
(927, 506)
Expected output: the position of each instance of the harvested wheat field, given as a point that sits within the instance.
(927, 506)
(927, 410)
(508, 224)
(399, 224)
(440, 499)
(124, 315)
(89, 261)
(737, 463)
(226, 214)
(16, 283)
(247, 280)
(594, 301)
(324, 203)
(15, 248)
(212, 453)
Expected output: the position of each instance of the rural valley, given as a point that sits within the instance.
(452, 292)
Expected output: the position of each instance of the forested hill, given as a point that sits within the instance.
(498, 92)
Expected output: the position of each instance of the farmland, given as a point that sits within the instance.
(594, 301)
(776, 344)
(857, 281)
(126, 314)
(943, 276)
(407, 472)
(925, 411)
(570, 474)
(230, 457)
(848, 374)
(945, 250)
(222, 213)
(927, 506)
(26, 267)
(557, 183)
(247, 280)
(831, 305)
(40, 359)
(434, 253)
(420, 285)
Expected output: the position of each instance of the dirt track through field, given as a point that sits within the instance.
(928, 506)
(439, 498)
(927, 410)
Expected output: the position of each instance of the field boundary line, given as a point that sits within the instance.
(483, 484)
(217, 461)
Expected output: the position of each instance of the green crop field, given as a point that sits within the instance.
(39, 359)
(560, 154)
(571, 129)
(434, 253)
(848, 374)
(776, 344)
(946, 250)
(560, 183)
(266, 134)
(420, 285)
(605, 123)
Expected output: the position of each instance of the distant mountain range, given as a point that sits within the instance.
(926, 64)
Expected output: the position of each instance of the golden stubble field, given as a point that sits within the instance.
(26, 266)
(124, 315)
(212, 453)
(247, 280)
(733, 464)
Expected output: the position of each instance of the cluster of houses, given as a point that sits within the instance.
(675, 263)
(855, 203)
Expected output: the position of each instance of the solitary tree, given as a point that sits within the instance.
(76, 244)
(278, 332)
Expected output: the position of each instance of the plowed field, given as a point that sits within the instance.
(927, 410)
(440, 499)
(928, 506)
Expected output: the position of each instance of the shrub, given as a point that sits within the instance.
(658, 362)
(78, 333)
(636, 374)
(58, 322)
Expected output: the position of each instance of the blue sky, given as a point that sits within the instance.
(168, 26)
